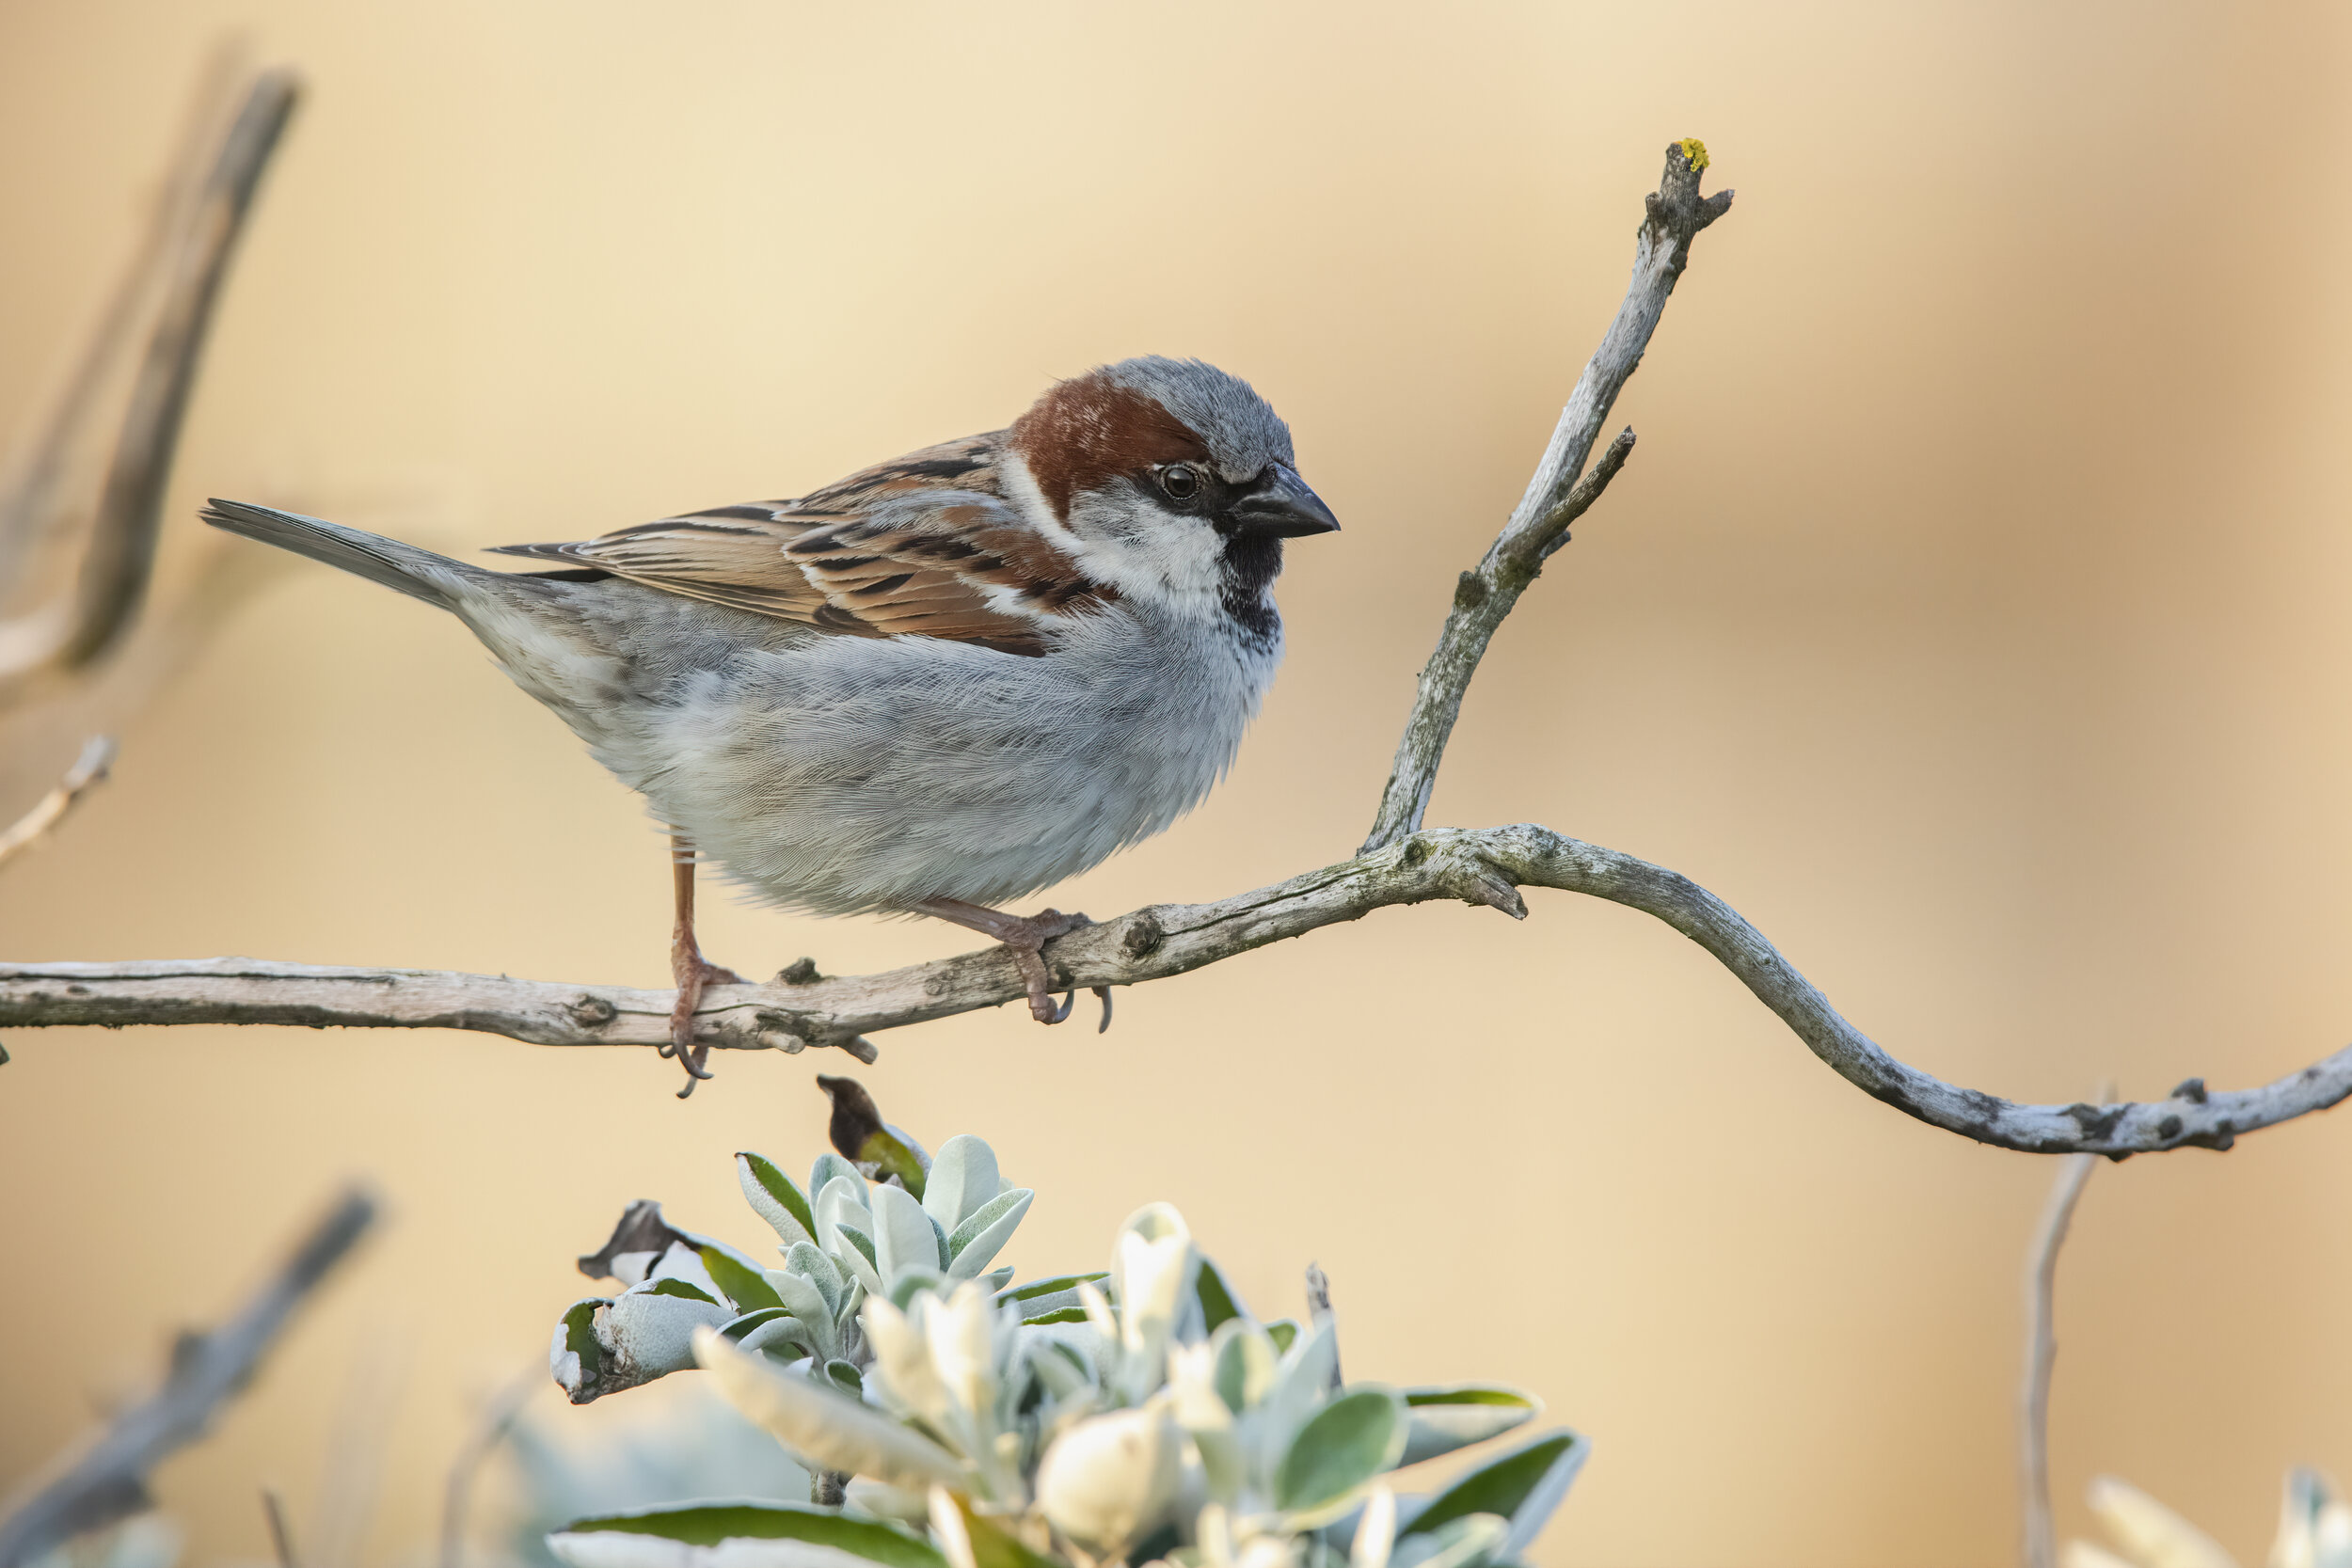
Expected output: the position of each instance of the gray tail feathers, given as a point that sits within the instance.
(435, 579)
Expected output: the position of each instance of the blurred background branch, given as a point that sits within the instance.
(176, 281)
(107, 1480)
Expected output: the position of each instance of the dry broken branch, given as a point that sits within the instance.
(89, 770)
(1402, 866)
(108, 1481)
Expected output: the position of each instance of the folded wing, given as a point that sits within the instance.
(926, 545)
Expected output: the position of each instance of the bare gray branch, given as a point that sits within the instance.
(108, 1481)
(1555, 496)
(1475, 867)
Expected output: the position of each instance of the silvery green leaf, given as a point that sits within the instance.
(739, 1535)
(783, 1332)
(1464, 1542)
(962, 1178)
(817, 1266)
(639, 1335)
(827, 1425)
(1062, 1368)
(1523, 1486)
(1340, 1449)
(1244, 1363)
(737, 1328)
(775, 1199)
(857, 1249)
(904, 1236)
(2150, 1532)
(829, 1169)
(844, 1201)
(912, 1279)
(846, 1377)
(802, 1296)
(1455, 1416)
(994, 1279)
(984, 1232)
(1283, 1332)
(1302, 1380)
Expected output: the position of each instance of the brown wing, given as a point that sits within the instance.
(925, 546)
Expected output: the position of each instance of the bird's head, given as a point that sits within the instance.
(1175, 480)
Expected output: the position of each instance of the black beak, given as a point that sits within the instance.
(1280, 504)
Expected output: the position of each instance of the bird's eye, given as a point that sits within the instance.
(1179, 482)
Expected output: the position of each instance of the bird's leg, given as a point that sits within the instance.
(688, 968)
(1023, 935)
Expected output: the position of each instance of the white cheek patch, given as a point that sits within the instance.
(1123, 539)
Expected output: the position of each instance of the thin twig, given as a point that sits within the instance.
(89, 770)
(1475, 867)
(498, 1419)
(2033, 1404)
(1556, 498)
(109, 1479)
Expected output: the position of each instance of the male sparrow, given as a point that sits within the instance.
(941, 683)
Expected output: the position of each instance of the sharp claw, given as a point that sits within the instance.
(1104, 992)
(1070, 999)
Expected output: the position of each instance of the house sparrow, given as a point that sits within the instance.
(941, 683)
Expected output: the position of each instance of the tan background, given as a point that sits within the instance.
(1972, 618)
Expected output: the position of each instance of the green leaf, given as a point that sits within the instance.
(828, 1168)
(1282, 1332)
(749, 1320)
(707, 1524)
(864, 1253)
(846, 1377)
(817, 1266)
(889, 1157)
(580, 1336)
(984, 1232)
(772, 1196)
(741, 1286)
(1040, 1296)
(904, 1236)
(1059, 1315)
(1455, 1417)
(680, 1288)
(991, 1545)
(1339, 1451)
(1523, 1486)
(1217, 1304)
